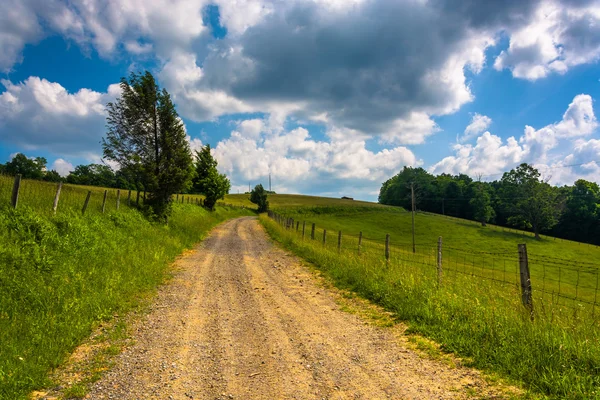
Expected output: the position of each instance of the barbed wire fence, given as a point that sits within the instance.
(538, 280)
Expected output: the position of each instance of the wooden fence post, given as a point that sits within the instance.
(56, 197)
(129, 198)
(324, 236)
(312, 232)
(297, 225)
(303, 228)
(87, 200)
(15, 192)
(118, 199)
(526, 291)
(177, 198)
(339, 241)
(104, 201)
(439, 260)
(359, 241)
(144, 198)
(387, 248)
(137, 198)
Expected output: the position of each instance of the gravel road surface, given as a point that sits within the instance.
(243, 319)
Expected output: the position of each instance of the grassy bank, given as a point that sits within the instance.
(59, 275)
(556, 355)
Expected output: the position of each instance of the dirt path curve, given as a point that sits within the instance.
(244, 320)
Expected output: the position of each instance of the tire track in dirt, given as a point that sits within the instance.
(242, 319)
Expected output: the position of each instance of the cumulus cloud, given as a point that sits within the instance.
(490, 156)
(559, 35)
(297, 163)
(61, 166)
(479, 123)
(37, 114)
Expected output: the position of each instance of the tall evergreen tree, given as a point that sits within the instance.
(146, 135)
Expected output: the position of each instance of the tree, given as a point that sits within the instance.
(29, 168)
(52, 176)
(208, 181)
(204, 164)
(531, 202)
(581, 215)
(258, 196)
(92, 175)
(481, 204)
(396, 190)
(146, 135)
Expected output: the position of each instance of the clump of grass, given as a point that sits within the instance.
(557, 355)
(59, 275)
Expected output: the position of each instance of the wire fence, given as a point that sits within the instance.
(538, 280)
(50, 197)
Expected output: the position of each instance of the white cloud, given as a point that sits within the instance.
(490, 156)
(413, 129)
(297, 163)
(479, 123)
(579, 119)
(558, 37)
(195, 144)
(41, 114)
(61, 166)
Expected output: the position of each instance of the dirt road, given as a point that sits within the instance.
(244, 320)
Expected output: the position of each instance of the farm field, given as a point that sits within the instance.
(475, 308)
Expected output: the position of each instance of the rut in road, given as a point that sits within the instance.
(243, 319)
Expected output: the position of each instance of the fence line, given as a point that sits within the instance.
(54, 197)
(537, 278)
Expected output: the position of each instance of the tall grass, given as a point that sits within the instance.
(558, 354)
(59, 275)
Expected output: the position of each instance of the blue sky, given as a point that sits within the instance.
(331, 97)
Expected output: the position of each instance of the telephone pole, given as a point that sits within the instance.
(269, 181)
(249, 188)
(412, 195)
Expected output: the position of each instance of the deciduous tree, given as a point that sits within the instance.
(258, 196)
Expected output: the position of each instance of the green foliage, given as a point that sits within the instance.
(27, 167)
(205, 163)
(258, 196)
(580, 219)
(532, 203)
(481, 204)
(208, 181)
(215, 186)
(146, 137)
(60, 275)
(92, 175)
(52, 176)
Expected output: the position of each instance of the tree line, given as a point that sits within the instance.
(520, 199)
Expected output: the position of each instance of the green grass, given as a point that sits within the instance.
(62, 274)
(569, 269)
(557, 355)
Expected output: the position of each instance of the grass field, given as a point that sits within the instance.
(62, 274)
(476, 311)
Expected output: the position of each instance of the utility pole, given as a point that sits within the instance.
(269, 181)
(249, 188)
(412, 195)
(443, 213)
